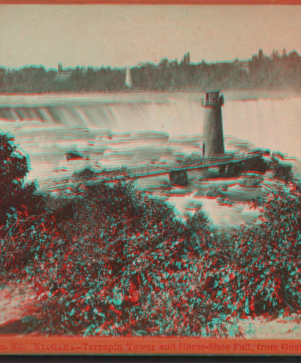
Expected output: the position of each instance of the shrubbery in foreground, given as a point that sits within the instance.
(16, 197)
(115, 266)
(123, 264)
(110, 261)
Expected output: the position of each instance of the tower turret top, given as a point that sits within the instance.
(213, 99)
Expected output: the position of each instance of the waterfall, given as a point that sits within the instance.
(268, 123)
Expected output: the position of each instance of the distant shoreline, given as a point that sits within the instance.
(243, 94)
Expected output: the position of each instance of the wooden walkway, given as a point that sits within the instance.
(134, 172)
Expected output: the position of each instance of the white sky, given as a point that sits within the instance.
(124, 35)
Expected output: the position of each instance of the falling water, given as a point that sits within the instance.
(112, 130)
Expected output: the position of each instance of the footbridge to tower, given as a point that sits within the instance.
(177, 172)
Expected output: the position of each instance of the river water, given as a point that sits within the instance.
(112, 130)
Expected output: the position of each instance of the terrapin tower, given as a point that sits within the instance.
(213, 125)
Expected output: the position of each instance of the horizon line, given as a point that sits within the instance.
(139, 64)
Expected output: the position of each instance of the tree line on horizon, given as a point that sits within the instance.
(274, 72)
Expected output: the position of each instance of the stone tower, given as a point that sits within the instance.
(213, 124)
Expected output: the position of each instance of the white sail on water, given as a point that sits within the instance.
(128, 78)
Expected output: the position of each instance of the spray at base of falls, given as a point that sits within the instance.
(135, 129)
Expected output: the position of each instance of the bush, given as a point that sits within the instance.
(16, 198)
(116, 243)
(111, 261)
(256, 270)
(122, 264)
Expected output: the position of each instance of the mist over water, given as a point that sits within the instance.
(113, 130)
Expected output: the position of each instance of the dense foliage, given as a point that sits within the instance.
(108, 260)
(268, 256)
(261, 72)
(16, 197)
(104, 256)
